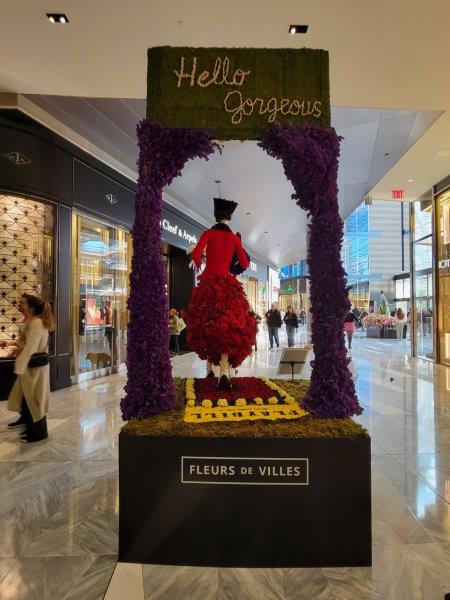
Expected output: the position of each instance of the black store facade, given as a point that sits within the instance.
(65, 221)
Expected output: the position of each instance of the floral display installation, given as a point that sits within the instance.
(251, 399)
(310, 159)
(378, 320)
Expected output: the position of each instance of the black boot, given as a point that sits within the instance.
(19, 424)
(36, 432)
(224, 384)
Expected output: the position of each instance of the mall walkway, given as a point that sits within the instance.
(59, 499)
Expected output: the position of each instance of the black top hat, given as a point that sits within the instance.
(223, 209)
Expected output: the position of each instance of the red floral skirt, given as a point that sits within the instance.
(218, 320)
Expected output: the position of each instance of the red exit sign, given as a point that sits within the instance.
(397, 194)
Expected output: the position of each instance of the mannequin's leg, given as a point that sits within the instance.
(224, 374)
(209, 369)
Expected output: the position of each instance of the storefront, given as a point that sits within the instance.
(255, 283)
(65, 221)
(430, 275)
(443, 272)
(293, 292)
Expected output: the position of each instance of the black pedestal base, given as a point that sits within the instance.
(233, 502)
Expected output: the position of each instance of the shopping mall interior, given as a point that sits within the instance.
(77, 216)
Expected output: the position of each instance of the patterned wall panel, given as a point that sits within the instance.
(26, 258)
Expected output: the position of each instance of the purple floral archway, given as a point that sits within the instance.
(310, 160)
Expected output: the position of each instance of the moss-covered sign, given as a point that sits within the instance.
(237, 92)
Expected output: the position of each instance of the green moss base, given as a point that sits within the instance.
(171, 423)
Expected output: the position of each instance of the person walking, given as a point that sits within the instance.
(176, 326)
(258, 320)
(30, 393)
(291, 322)
(302, 317)
(274, 322)
(400, 322)
(350, 326)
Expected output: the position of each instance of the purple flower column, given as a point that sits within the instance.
(163, 153)
(310, 161)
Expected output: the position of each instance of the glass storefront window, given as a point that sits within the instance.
(26, 259)
(443, 273)
(422, 318)
(423, 217)
(423, 254)
(101, 265)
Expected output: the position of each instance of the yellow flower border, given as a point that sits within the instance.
(200, 414)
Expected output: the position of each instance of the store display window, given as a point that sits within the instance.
(443, 274)
(26, 260)
(101, 265)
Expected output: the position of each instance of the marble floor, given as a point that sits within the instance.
(59, 498)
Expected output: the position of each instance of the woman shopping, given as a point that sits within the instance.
(400, 322)
(176, 326)
(350, 326)
(30, 393)
(291, 322)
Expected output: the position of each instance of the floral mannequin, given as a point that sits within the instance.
(220, 328)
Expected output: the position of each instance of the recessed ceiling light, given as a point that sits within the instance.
(57, 18)
(293, 29)
(266, 232)
(247, 213)
(410, 180)
(386, 153)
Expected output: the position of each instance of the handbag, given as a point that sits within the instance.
(38, 359)
(181, 325)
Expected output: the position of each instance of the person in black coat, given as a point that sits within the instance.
(291, 322)
(273, 320)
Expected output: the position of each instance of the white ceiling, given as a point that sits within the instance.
(385, 55)
(248, 175)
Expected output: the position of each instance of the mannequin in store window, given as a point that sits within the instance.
(220, 327)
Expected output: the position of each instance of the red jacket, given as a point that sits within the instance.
(221, 243)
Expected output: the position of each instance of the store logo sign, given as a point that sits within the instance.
(238, 470)
(111, 198)
(17, 158)
(190, 238)
(253, 266)
(444, 264)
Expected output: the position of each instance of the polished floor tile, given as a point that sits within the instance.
(59, 498)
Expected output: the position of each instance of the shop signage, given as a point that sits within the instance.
(111, 198)
(237, 92)
(253, 266)
(244, 471)
(17, 158)
(444, 264)
(179, 231)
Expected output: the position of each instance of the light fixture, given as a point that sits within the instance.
(410, 180)
(57, 18)
(293, 29)
(386, 153)
(247, 213)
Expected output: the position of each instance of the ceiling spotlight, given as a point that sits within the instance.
(57, 18)
(247, 213)
(410, 180)
(266, 232)
(293, 29)
(386, 153)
